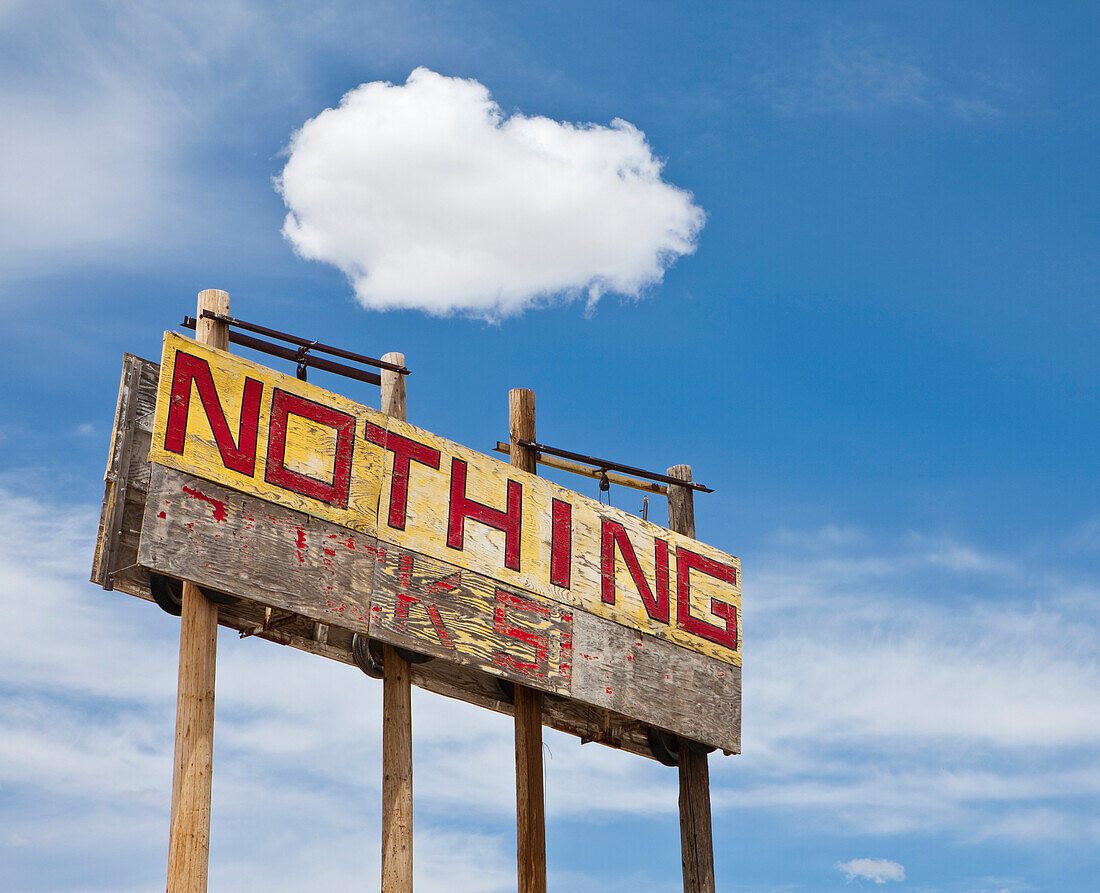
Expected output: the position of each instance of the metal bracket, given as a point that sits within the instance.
(303, 358)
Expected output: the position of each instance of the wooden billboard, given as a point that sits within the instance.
(285, 496)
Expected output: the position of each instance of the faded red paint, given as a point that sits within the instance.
(401, 618)
(445, 584)
(219, 505)
(561, 542)
(565, 660)
(686, 561)
(437, 622)
(539, 641)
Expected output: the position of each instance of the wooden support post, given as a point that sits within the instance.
(530, 815)
(696, 843)
(397, 774)
(192, 773)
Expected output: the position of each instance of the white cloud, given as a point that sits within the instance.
(429, 197)
(878, 870)
(112, 112)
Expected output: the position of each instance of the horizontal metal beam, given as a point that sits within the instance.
(608, 465)
(305, 342)
(287, 353)
(575, 467)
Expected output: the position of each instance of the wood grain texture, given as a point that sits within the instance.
(530, 815)
(468, 682)
(415, 495)
(212, 332)
(451, 680)
(619, 669)
(426, 525)
(189, 836)
(397, 765)
(227, 541)
(431, 607)
(530, 812)
(393, 387)
(278, 557)
(397, 792)
(192, 777)
(696, 841)
(681, 502)
(127, 468)
(310, 449)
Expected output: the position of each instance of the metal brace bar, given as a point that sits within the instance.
(305, 342)
(607, 465)
(286, 353)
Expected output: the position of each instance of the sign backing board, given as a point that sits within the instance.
(260, 482)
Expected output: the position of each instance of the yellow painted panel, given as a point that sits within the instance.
(427, 529)
(309, 450)
(322, 454)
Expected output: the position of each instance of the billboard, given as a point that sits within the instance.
(284, 495)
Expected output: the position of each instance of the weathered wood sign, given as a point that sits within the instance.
(285, 495)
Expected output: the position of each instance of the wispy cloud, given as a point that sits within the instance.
(878, 870)
(873, 705)
(112, 110)
(861, 71)
(871, 654)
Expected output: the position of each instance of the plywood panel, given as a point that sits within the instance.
(256, 430)
(441, 499)
(436, 608)
(667, 686)
(247, 427)
(216, 537)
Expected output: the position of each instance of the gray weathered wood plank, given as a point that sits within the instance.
(222, 539)
(667, 686)
(439, 609)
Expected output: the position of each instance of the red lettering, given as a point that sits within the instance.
(462, 507)
(240, 456)
(404, 451)
(284, 405)
(404, 602)
(614, 534)
(561, 542)
(686, 560)
(539, 641)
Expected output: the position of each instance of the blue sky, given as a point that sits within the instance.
(881, 353)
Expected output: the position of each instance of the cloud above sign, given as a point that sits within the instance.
(878, 870)
(428, 197)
